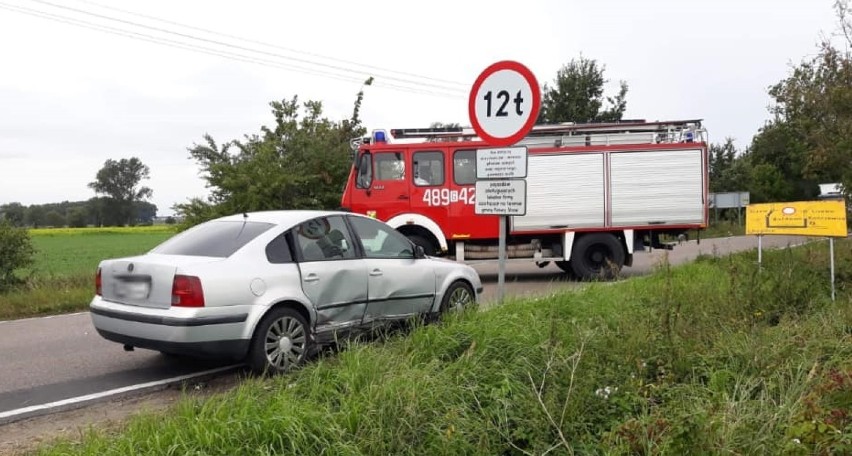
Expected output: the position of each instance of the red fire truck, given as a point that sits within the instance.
(596, 193)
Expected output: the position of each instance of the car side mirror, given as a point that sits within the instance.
(419, 252)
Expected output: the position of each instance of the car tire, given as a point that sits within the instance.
(597, 256)
(458, 297)
(281, 342)
(428, 248)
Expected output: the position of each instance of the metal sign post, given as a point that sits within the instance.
(831, 254)
(501, 260)
(502, 197)
(503, 107)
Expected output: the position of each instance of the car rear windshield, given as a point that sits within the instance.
(213, 239)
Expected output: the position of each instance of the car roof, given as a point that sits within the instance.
(285, 218)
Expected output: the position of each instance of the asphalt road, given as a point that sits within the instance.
(43, 360)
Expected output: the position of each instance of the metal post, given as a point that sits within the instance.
(760, 250)
(501, 255)
(831, 254)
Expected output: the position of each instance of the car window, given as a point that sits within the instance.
(213, 239)
(380, 240)
(428, 169)
(390, 166)
(278, 251)
(464, 167)
(324, 238)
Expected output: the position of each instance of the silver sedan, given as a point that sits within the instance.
(272, 287)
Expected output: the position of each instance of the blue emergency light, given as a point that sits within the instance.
(380, 136)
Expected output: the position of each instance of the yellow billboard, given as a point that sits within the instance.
(805, 218)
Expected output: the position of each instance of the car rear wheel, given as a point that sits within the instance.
(458, 297)
(281, 342)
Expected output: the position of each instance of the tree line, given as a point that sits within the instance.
(808, 138)
(122, 202)
(97, 211)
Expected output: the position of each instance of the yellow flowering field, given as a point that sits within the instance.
(158, 229)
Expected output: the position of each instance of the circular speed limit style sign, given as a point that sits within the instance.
(503, 103)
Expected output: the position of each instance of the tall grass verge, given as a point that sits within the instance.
(717, 357)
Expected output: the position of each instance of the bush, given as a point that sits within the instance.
(16, 252)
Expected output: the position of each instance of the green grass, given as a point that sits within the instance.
(716, 357)
(69, 255)
(723, 228)
(62, 279)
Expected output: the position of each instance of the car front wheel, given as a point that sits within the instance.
(281, 342)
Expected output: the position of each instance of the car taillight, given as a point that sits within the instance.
(187, 292)
(98, 283)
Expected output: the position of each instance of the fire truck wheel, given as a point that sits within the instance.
(458, 296)
(428, 247)
(596, 256)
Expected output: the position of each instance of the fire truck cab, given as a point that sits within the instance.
(596, 193)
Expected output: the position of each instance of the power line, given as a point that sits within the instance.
(209, 51)
(242, 48)
(153, 39)
(271, 45)
(203, 50)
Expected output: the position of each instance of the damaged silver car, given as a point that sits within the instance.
(270, 288)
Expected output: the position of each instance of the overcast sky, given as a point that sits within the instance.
(72, 97)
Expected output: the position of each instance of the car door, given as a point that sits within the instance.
(333, 277)
(399, 285)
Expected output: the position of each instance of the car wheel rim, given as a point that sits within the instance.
(285, 343)
(460, 298)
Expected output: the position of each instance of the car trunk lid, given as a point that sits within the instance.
(145, 281)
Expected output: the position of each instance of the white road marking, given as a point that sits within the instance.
(34, 409)
(46, 317)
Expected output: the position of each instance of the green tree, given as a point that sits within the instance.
(779, 152)
(444, 125)
(77, 217)
(119, 181)
(810, 138)
(722, 159)
(13, 213)
(145, 212)
(54, 219)
(577, 95)
(300, 162)
(35, 216)
(95, 208)
(16, 252)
